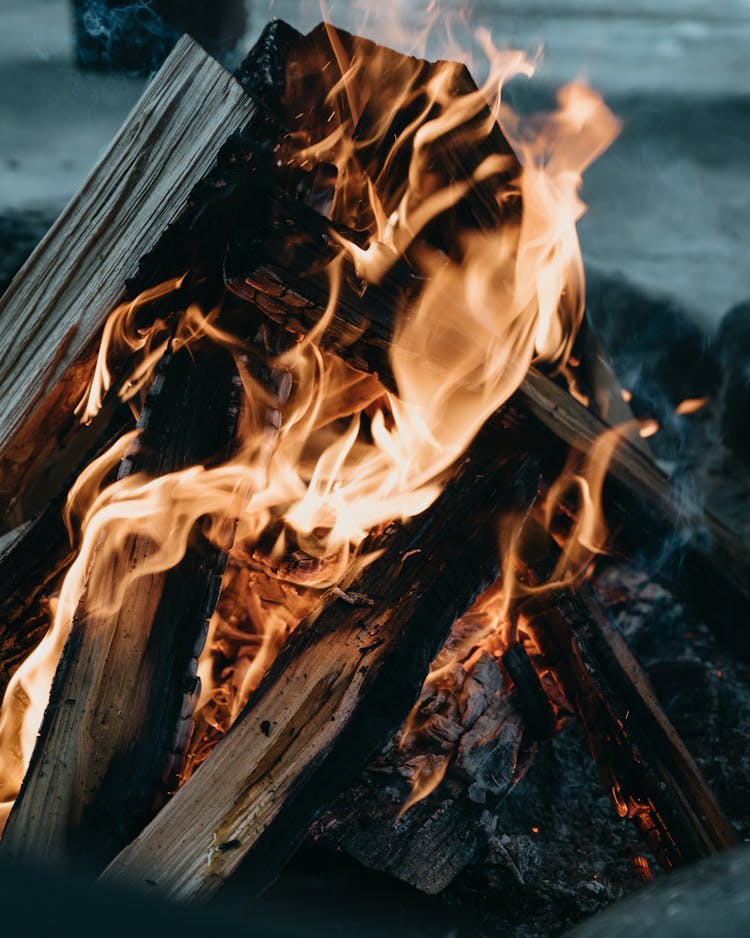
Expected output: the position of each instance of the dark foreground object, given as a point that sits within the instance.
(709, 898)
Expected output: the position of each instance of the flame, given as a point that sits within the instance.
(691, 405)
(325, 455)
(494, 621)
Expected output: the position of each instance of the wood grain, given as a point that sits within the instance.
(51, 314)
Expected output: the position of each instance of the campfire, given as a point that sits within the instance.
(307, 458)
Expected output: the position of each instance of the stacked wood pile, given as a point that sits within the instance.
(193, 192)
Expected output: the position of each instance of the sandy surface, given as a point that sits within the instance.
(669, 204)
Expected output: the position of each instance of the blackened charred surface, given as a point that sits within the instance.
(704, 689)
(190, 419)
(263, 72)
(642, 761)
(532, 699)
(31, 567)
(471, 725)
(232, 194)
(316, 65)
(677, 541)
(558, 852)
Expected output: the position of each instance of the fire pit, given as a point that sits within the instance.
(329, 468)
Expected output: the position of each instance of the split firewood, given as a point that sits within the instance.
(336, 692)
(32, 560)
(119, 717)
(52, 313)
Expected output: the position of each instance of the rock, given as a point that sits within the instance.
(20, 232)
(659, 354)
(711, 897)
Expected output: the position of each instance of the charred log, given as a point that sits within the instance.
(471, 746)
(642, 761)
(119, 717)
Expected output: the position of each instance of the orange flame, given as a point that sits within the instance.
(325, 455)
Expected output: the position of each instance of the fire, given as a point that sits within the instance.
(325, 455)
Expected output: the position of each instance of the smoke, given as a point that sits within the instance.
(130, 37)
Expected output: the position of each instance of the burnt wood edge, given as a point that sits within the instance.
(190, 418)
(30, 567)
(643, 763)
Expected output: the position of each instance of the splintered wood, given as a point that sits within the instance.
(128, 681)
(51, 314)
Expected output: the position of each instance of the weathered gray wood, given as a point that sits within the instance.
(51, 314)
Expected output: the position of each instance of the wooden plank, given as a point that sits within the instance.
(55, 306)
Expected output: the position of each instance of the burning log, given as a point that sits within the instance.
(138, 188)
(29, 575)
(336, 692)
(475, 732)
(119, 717)
(284, 274)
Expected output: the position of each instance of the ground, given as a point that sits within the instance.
(669, 204)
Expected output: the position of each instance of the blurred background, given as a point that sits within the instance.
(669, 204)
